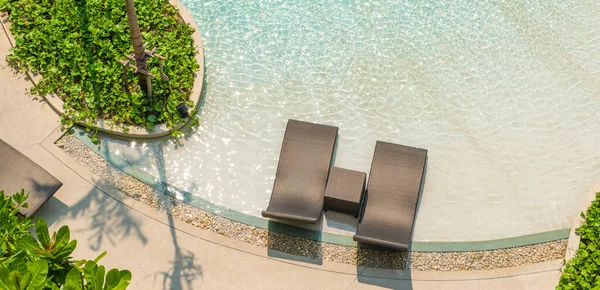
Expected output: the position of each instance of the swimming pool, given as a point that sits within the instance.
(502, 94)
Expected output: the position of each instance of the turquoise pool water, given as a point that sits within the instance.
(504, 95)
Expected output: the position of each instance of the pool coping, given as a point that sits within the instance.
(135, 132)
(339, 239)
(520, 272)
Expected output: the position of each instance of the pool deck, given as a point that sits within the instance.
(163, 253)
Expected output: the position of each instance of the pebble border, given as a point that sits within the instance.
(377, 258)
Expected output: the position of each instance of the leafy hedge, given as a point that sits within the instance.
(77, 44)
(45, 262)
(583, 271)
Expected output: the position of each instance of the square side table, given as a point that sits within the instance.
(345, 191)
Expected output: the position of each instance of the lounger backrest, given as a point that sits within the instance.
(18, 172)
(394, 182)
(303, 169)
(393, 192)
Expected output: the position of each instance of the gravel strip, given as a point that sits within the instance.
(378, 258)
(502, 258)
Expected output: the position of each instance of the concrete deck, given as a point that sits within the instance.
(163, 253)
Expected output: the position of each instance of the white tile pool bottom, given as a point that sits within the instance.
(504, 96)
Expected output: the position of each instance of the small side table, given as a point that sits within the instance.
(345, 190)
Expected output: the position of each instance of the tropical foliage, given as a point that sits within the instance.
(46, 262)
(583, 271)
(77, 44)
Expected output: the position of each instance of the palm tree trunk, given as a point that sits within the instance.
(136, 40)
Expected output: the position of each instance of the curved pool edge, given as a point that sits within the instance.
(339, 239)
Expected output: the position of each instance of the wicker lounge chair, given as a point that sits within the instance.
(19, 172)
(392, 194)
(302, 172)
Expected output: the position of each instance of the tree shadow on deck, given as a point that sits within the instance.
(109, 220)
(184, 270)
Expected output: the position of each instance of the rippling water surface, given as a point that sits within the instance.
(503, 94)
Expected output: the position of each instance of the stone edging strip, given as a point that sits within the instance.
(332, 238)
(136, 132)
(284, 246)
(526, 273)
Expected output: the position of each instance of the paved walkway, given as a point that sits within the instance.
(163, 253)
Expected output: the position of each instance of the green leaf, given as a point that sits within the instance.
(41, 229)
(100, 257)
(22, 279)
(20, 197)
(100, 277)
(113, 278)
(30, 245)
(39, 271)
(53, 286)
(3, 278)
(124, 280)
(62, 237)
(89, 273)
(117, 280)
(66, 250)
(74, 280)
(13, 280)
(48, 282)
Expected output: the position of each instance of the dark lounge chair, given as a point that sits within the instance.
(19, 172)
(392, 194)
(302, 172)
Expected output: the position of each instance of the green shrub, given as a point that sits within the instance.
(77, 44)
(583, 271)
(45, 262)
(12, 228)
(6, 5)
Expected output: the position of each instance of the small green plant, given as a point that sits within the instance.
(12, 228)
(583, 271)
(46, 262)
(195, 122)
(76, 45)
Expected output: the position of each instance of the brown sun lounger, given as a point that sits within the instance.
(392, 194)
(302, 172)
(19, 172)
